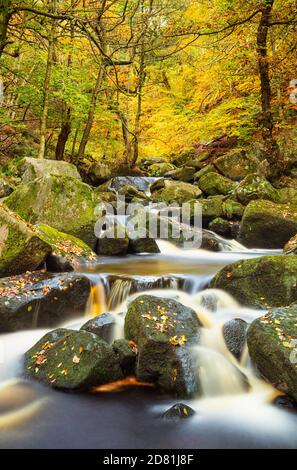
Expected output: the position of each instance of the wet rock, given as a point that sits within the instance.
(178, 412)
(174, 191)
(68, 252)
(164, 330)
(234, 332)
(185, 174)
(112, 237)
(33, 168)
(221, 227)
(268, 281)
(237, 164)
(21, 247)
(272, 347)
(5, 188)
(206, 169)
(160, 169)
(64, 203)
(268, 225)
(255, 187)
(216, 206)
(41, 300)
(291, 246)
(285, 402)
(126, 353)
(143, 245)
(213, 184)
(77, 360)
(102, 326)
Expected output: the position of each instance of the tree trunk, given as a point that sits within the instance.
(5, 15)
(63, 136)
(141, 82)
(271, 148)
(46, 86)
(91, 114)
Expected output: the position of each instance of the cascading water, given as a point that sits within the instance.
(231, 391)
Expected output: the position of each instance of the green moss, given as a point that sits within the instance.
(212, 184)
(256, 187)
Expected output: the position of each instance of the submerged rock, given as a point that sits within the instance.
(102, 326)
(33, 168)
(273, 348)
(237, 164)
(21, 247)
(164, 330)
(255, 187)
(213, 184)
(178, 412)
(268, 225)
(72, 360)
(234, 332)
(68, 252)
(41, 300)
(268, 281)
(64, 203)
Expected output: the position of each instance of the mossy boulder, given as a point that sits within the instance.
(255, 187)
(130, 192)
(234, 333)
(212, 184)
(64, 203)
(72, 360)
(268, 225)
(273, 350)
(174, 191)
(164, 331)
(41, 300)
(68, 252)
(288, 196)
(203, 171)
(263, 282)
(160, 169)
(21, 247)
(126, 352)
(237, 165)
(112, 237)
(221, 226)
(33, 168)
(216, 206)
(185, 174)
(5, 188)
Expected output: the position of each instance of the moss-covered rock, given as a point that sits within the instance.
(21, 247)
(237, 165)
(174, 191)
(206, 169)
(268, 281)
(212, 184)
(288, 196)
(160, 169)
(33, 168)
(130, 192)
(64, 203)
(126, 352)
(268, 225)
(164, 330)
(221, 226)
(5, 188)
(185, 174)
(255, 187)
(216, 206)
(113, 238)
(273, 349)
(72, 360)
(41, 300)
(234, 333)
(68, 252)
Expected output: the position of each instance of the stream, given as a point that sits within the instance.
(128, 415)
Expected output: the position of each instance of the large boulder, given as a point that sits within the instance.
(5, 188)
(164, 331)
(203, 171)
(174, 191)
(41, 300)
(268, 281)
(268, 225)
(64, 203)
(237, 164)
(273, 348)
(21, 247)
(212, 184)
(33, 168)
(72, 360)
(215, 207)
(68, 252)
(255, 187)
